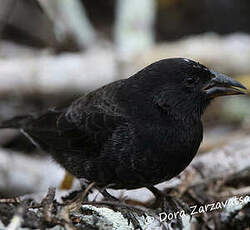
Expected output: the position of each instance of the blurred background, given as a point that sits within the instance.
(53, 51)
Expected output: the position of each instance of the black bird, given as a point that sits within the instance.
(135, 132)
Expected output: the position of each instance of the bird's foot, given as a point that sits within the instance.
(128, 214)
(170, 207)
(108, 196)
(167, 202)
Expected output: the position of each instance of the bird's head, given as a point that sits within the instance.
(184, 87)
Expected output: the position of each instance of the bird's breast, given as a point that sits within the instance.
(168, 150)
(170, 137)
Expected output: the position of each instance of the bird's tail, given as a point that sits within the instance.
(18, 122)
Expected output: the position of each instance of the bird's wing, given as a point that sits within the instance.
(98, 108)
(82, 127)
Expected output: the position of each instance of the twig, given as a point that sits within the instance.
(72, 206)
(15, 200)
(47, 204)
(236, 192)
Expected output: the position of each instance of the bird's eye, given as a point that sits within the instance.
(190, 80)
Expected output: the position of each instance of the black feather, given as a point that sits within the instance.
(130, 133)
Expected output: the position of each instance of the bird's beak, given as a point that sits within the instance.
(222, 85)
